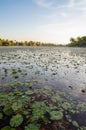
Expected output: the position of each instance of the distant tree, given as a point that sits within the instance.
(5, 43)
(0, 42)
(79, 41)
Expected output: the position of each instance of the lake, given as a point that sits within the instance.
(62, 68)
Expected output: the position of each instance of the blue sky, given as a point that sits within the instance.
(42, 20)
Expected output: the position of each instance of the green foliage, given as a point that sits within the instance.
(14, 71)
(32, 127)
(7, 128)
(17, 106)
(56, 115)
(8, 110)
(24, 108)
(4, 42)
(79, 41)
(1, 115)
(46, 90)
(16, 120)
(29, 92)
(66, 105)
(39, 109)
(75, 123)
(82, 128)
(16, 76)
(56, 98)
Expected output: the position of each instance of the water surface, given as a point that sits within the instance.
(62, 68)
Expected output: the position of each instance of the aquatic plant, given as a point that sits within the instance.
(32, 127)
(14, 71)
(17, 106)
(66, 105)
(7, 110)
(39, 109)
(29, 92)
(75, 124)
(1, 115)
(7, 128)
(56, 115)
(16, 76)
(56, 98)
(38, 106)
(16, 120)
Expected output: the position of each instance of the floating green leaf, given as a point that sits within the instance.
(66, 105)
(29, 92)
(56, 115)
(39, 110)
(7, 128)
(75, 123)
(1, 115)
(32, 127)
(17, 106)
(56, 98)
(16, 120)
(8, 110)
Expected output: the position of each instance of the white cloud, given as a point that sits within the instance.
(43, 3)
(61, 32)
(71, 3)
(76, 4)
(55, 4)
(63, 14)
(65, 8)
(66, 20)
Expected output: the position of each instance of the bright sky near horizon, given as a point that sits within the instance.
(42, 20)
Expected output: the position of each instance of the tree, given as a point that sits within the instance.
(5, 43)
(79, 41)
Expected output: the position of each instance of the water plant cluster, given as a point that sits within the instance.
(57, 66)
(39, 109)
(27, 102)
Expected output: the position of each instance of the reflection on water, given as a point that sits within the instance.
(62, 68)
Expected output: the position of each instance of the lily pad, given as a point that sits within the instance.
(17, 106)
(75, 123)
(7, 128)
(32, 127)
(1, 115)
(29, 92)
(56, 115)
(16, 120)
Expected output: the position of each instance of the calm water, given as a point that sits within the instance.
(62, 68)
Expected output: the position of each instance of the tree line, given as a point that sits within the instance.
(78, 42)
(74, 42)
(7, 42)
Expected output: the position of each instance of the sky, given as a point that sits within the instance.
(54, 21)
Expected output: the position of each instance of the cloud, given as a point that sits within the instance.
(64, 21)
(43, 3)
(63, 14)
(56, 4)
(61, 32)
(77, 4)
(64, 9)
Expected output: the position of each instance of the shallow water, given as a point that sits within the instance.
(63, 68)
